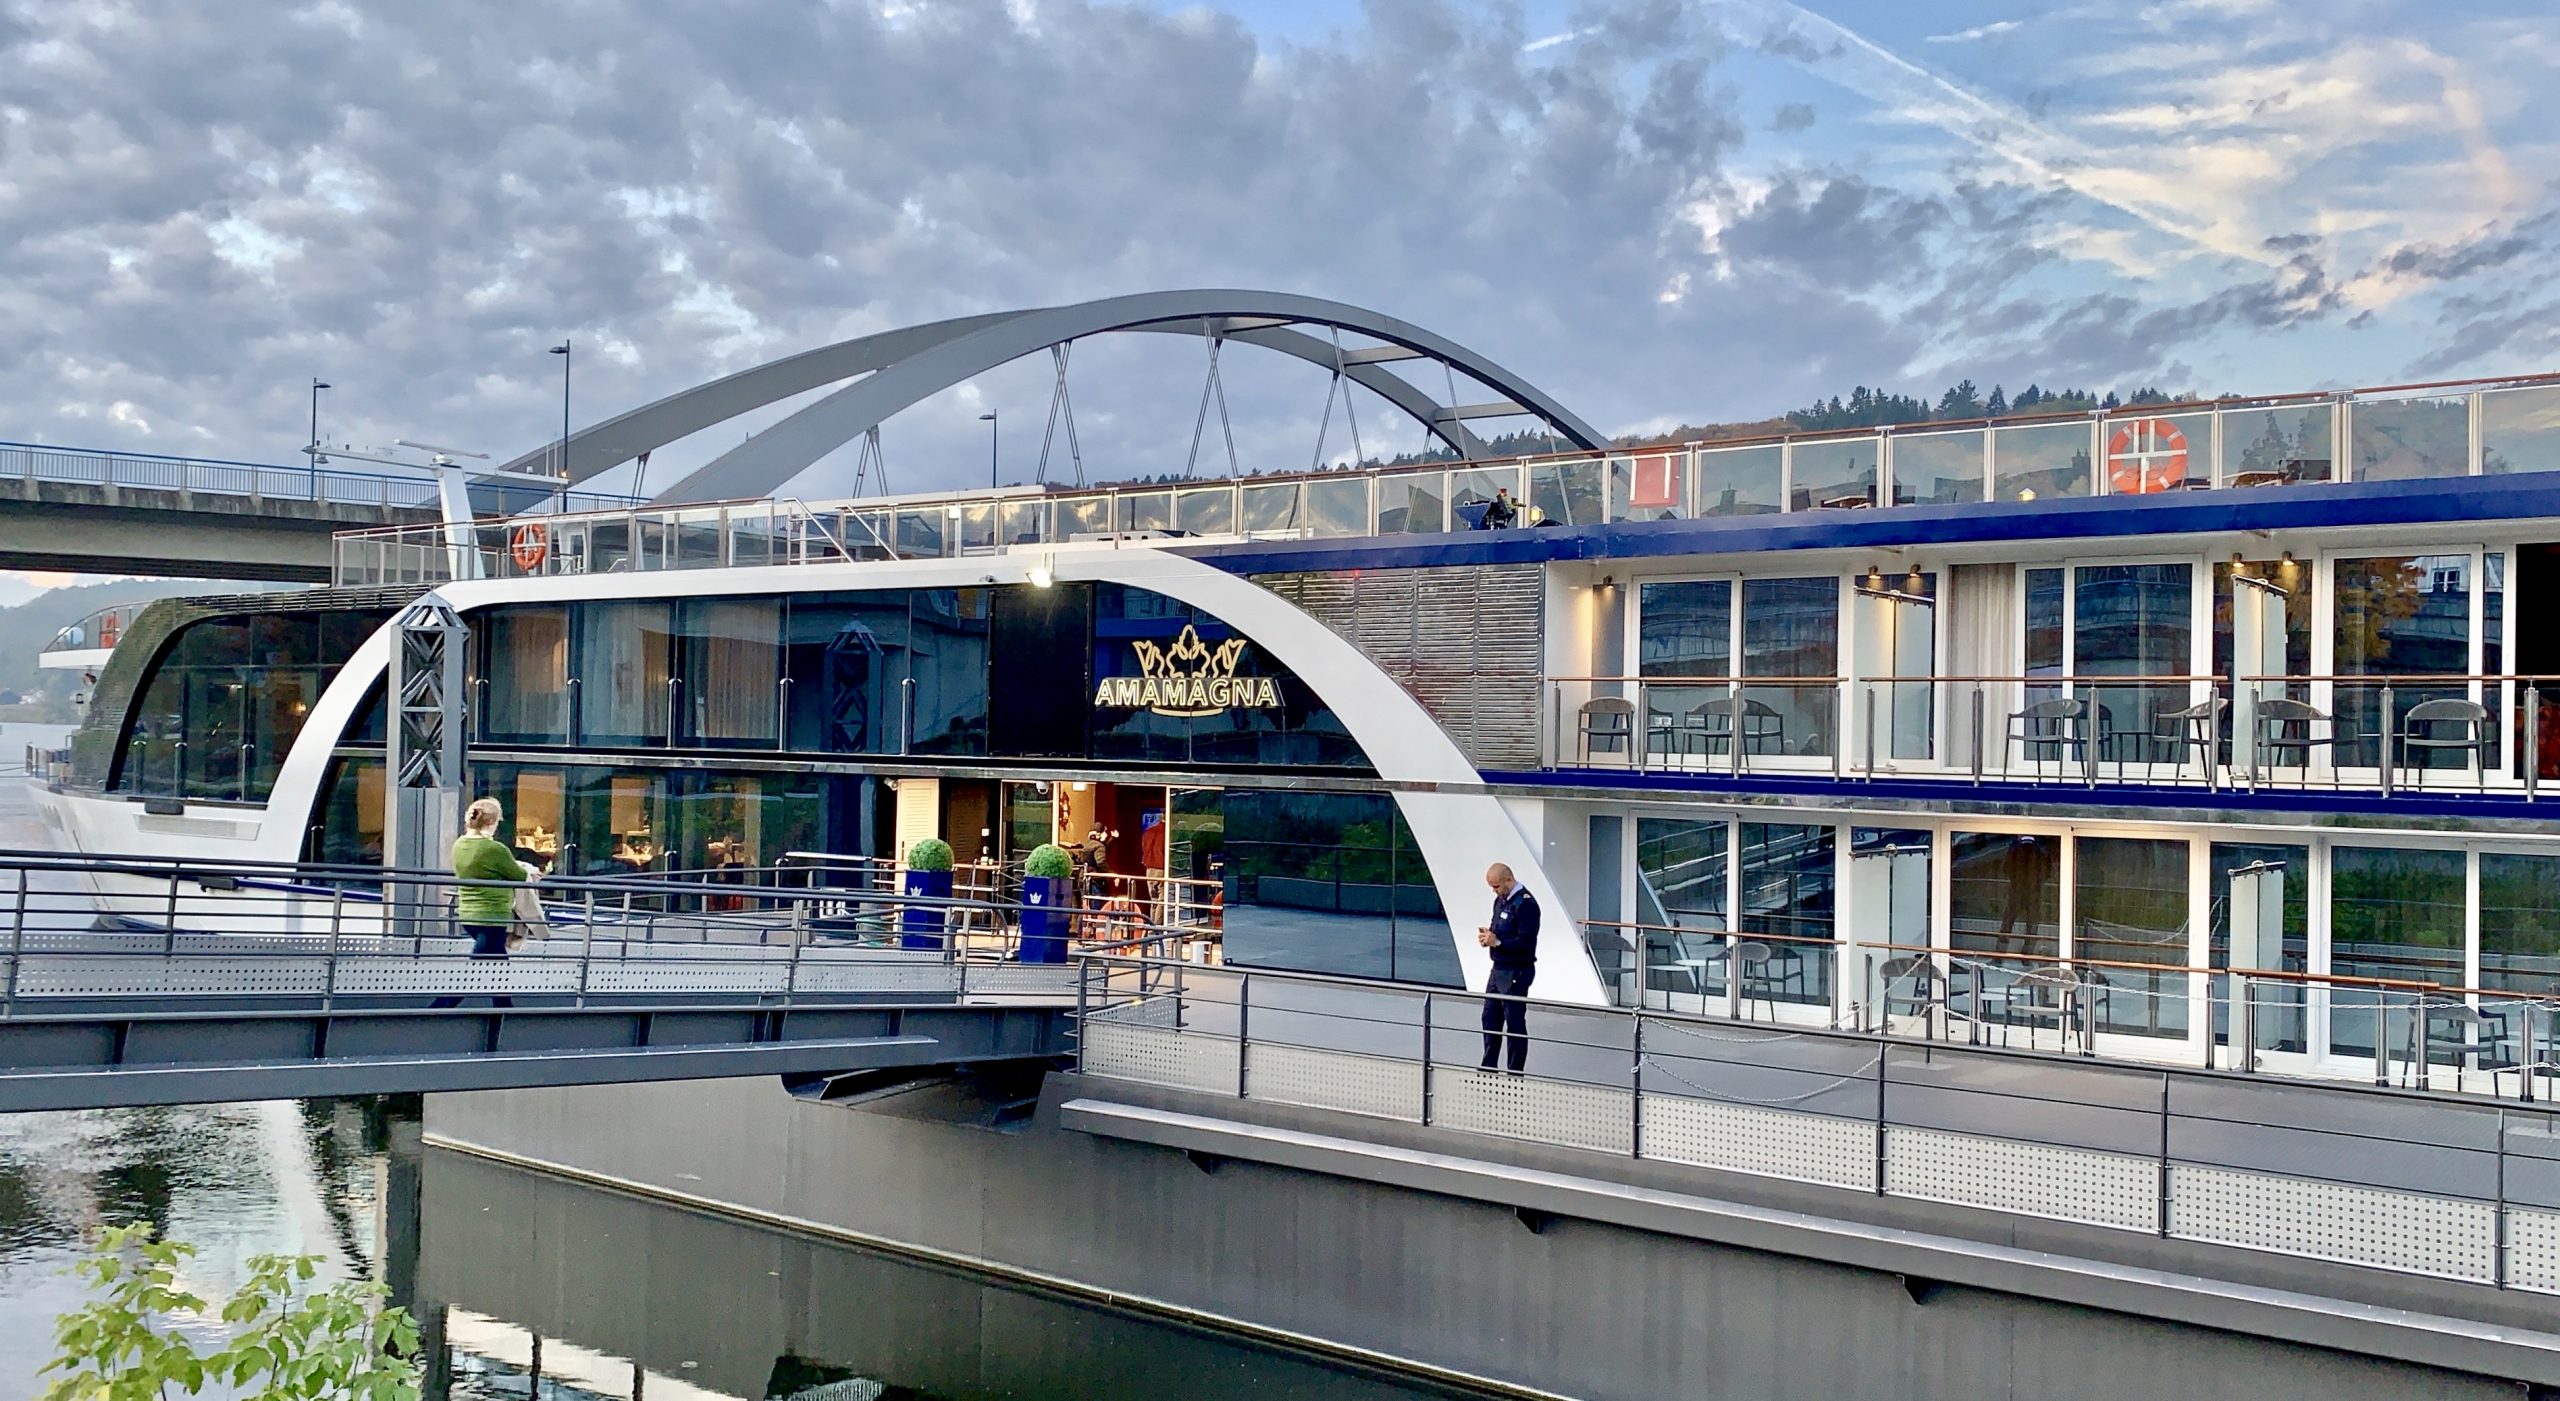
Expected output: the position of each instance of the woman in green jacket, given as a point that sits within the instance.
(485, 912)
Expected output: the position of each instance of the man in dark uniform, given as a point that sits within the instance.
(1513, 937)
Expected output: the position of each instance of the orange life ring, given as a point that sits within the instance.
(110, 628)
(2145, 455)
(529, 546)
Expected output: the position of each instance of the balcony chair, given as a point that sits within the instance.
(2041, 995)
(1764, 730)
(2469, 1037)
(2060, 723)
(1908, 985)
(1751, 962)
(2425, 732)
(2290, 726)
(1609, 720)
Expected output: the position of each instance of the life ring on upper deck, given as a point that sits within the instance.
(529, 546)
(2146, 455)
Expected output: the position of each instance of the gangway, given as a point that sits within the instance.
(137, 980)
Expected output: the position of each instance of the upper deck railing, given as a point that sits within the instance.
(2395, 432)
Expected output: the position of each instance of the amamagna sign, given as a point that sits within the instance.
(1189, 678)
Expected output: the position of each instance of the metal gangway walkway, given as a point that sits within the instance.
(140, 980)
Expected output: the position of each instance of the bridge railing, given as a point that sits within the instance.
(40, 462)
(2374, 1177)
(80, 928)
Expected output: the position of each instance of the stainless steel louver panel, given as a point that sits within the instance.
(1466, 642)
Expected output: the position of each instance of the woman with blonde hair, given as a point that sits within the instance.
(484, 911)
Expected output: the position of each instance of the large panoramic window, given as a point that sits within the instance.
(1787, 885)
(1332, 883)
(2005, 895)
(1791, 647)
(2135, 620)
(227, 697)
(732, 671)
(622, 672)
(2129, 906)
(2520, 922)
(1681, 887)
(2399, 619)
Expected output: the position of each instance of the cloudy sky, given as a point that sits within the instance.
(1659, 210)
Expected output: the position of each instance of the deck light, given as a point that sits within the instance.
(1040, 574)
(1913, 582)
(1875, 579)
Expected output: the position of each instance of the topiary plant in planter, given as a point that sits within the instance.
(1047, 891)
(928, 874)
(1048, 860)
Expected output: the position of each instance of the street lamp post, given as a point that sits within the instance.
(313, 451)
(562, 350)
(989, 419)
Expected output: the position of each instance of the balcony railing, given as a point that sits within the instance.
(2399, 432)
(2492, 734)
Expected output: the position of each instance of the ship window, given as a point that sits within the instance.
(2405, 616)
(948, 660)
(227, 698)
(732, 651)
(2005, 895)
(2519, 922)
(524, 685)
(2262, 921)
(1331, 883)
(2129, 905)
(1786, 883)
(1790, 634)
(622, 671)
(1680, 894)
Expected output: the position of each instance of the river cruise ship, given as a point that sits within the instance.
(2196, 732)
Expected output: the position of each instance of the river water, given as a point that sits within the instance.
(534, 1287)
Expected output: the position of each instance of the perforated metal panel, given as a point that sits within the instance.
(876, 974)
(1051, 979)
(457, 975)
(1468, 643)
(2329, 1221)
(1541, 1111)
(1184, 1060)
(1766, 1142)
(2533, 1249)
(1391, 1089)
(2034, 1179)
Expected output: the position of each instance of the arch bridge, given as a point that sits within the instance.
(883, 374)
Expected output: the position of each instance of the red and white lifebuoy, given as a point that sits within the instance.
(2145, 455)
(529, 546)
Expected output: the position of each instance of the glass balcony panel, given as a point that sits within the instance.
(1084, 515)
(1472, 488)
(1205, 510)
(1146, 510)
(751, 534)
(1937, 468)
(2155, 452)
(1022, 522)
(2520, 429)
(609, 545)
(1649, 486)
(1569, 491)
(974, 527)
(1410, 503)
(2281, 443)
(921, 533)
(1270, 506)
(1741, 481)
(2043, 461)
(1835, 472)
(867, 534)
(1338, 505)
(2399, 439)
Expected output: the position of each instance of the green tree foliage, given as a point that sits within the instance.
(289, 1341)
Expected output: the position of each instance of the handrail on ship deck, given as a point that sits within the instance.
(2019, 458)
(2336, 1172)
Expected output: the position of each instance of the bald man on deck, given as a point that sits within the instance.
(1513, 937)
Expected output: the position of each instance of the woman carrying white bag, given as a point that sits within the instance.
(495, 916)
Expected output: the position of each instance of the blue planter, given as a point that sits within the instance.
(1044, 919)
(923, 927)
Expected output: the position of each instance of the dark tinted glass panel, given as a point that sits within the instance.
(2005, 894)
(1216, 697)
(948, 638)
(1039, 687)
(2130, 906)
(346, 828)
(2520, 922)
(524, 675)
(1791, 629)
(847, 655)
(228, 697)
(2393, 913)
(1788, 891)
(1310, 881)
(1681, 879)
(732, 671)
(623, 665)
(2397, 617)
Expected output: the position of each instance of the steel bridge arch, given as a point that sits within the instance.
(903, 367)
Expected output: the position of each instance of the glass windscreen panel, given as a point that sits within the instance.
(2040, 462)
(2150, 453)
(1146, 510)
(1836, 472)
(2393, 913)
(1473, 489)
(1741, 481)
(922, 533)
(1084, 516)
(1410, 503)
(2401, 439)
(1650, 486)
(1270, 506)
(2278, 444)
(1337, 506)
(1937, 468)
(1207, 510)
(2520, 429)
(2129, 906)
(1569, 491)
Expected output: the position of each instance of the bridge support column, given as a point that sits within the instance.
(426, 758)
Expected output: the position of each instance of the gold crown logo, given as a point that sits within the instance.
(1188, 678)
